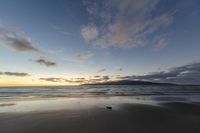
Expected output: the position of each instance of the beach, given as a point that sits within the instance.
(100, 109)
(127, 118)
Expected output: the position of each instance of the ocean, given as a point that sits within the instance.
(98, 90)
(14, 99)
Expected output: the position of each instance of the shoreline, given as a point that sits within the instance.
(58, 103)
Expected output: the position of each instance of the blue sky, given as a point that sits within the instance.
(65, 40)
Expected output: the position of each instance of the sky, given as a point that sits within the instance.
(59, 42)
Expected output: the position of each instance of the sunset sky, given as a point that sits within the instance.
(70, 42)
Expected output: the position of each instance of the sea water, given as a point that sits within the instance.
(16, 99)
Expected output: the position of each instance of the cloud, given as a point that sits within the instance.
(16, 40)
(98, 79)
(160, 44)
(124, 23)
(44, 62)
(89, 32)
(105, 78)
(93, 79)
(188, 74)
(54, 79)
(101, 70)
(14, 74)
(80, 57)
(64, 80)
(60, 30)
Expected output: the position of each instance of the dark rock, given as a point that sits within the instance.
(108, 107)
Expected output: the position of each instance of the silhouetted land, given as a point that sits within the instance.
(129, 82)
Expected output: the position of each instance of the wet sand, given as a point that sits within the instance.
(128, 118)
